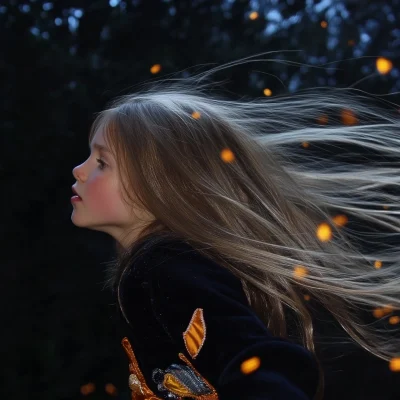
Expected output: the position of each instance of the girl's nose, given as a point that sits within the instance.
(77, 172)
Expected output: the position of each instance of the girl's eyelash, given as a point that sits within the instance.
(101, 162)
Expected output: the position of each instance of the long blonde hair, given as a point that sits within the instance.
(246, 183)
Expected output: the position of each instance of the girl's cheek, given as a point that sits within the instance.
(103, 198)
(94, 190)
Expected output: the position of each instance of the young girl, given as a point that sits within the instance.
(231, 219)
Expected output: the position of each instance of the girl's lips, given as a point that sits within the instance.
(74, 191)
(75, 198)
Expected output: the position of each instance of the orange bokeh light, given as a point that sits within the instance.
(380, 312)
(253, 15)
(340, 220)
(88, 388)
(348, 117)
(383, 65)
(324, 232)
(196, 115)
(155, 69)
(227, 156)
(111, 389)
(299, 271)
(394, 364)
(267, 92)
(250, 365)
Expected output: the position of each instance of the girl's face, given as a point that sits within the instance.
(102, 208)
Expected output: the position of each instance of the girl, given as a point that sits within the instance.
(227, 224)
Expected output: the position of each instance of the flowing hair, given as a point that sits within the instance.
(297, 195)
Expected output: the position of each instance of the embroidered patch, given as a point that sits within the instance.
(195, 334)
(177, 381)
(184, 380)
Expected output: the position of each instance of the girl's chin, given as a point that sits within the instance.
(75, 220)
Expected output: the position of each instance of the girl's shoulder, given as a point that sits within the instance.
(182, 306)
(172, 268)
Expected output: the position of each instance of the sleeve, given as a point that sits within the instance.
(234, 333)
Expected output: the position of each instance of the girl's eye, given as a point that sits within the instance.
(101, 162)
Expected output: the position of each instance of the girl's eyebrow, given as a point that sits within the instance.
(100, 147)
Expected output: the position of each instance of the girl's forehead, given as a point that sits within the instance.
(99, 136)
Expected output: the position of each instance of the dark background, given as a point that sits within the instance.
(61, 62)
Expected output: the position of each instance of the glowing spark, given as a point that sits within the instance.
(88, 388)
(155, 69)
(250, 365)
(227, 156)
(394, 364)
(348, 117)
(300, 271)
(340, 220)
(324, 232)
(196, 114)
(382, 311)
(378, 313)
(253, 15)
(111, 389)
(383, 65)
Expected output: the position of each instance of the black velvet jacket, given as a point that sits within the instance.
(189, 332)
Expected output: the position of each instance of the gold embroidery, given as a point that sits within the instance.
(195, 334)
(173, 385)
(137, 383)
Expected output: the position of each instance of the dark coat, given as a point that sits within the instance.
(191, 333)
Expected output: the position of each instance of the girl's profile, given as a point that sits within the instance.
(232, 218)
(100, 205)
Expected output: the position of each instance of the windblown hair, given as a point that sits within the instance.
(252, 184)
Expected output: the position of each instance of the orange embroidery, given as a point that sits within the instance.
(195, 334)
(194, 338)
(137, 383)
